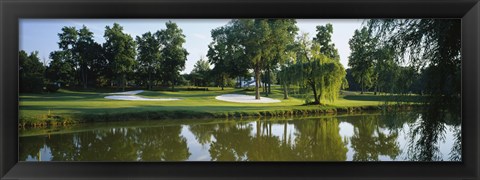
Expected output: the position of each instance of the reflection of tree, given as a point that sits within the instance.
(267, 147)
(120, 144)
(231, 143)
(456, 152)
(319, 140)
(202, 132)
(163, 144)
(429, 131)
(369, 142)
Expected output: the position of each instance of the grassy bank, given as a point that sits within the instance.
(70, 107)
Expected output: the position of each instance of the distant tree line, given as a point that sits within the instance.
(152, 58)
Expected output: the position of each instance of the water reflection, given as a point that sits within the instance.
(369, 137)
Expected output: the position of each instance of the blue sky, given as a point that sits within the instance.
(42, 34)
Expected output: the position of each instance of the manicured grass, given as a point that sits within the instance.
(64, 106)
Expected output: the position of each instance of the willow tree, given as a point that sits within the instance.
(427, 43)
(322, 74)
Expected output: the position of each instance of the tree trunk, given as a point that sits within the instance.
(317, 100)
(223, 81)
(269, 83)
(123, 82)
(149, 81)
(361, 85)
(285, 91)
(257, 82)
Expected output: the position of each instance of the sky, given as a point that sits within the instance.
(42, 34)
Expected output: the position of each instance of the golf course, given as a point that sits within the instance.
(66, 107)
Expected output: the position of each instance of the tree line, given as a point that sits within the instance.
(400, 56)
(152, 58)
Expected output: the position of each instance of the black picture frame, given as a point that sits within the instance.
(11, 11)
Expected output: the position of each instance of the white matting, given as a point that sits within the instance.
(240, 98)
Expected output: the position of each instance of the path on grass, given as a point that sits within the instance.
(240, 98)
(131, 96)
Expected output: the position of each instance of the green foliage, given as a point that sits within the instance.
(149, 57)
(31, 72)
(427, 43)
(361, 59)
(120, 52)
(173, 54)
(200, 75)
(323, 75)
(324, 39)
(60, 70)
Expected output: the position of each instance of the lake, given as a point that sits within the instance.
(406, 136)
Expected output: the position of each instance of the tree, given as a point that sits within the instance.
(120, 52)
(254, 37)
(173, 54)
(87, 53)
(322, 74)
(59, 70)
(201, 71)
(219, 54)
(433, 43)
(68, 43)
(282, 41)
(324, 39)
(361, 57)
(149, 56)
(31, 72)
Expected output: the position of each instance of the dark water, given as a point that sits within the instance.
(368, 137)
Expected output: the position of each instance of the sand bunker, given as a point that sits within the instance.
(240, 98)
(130, 96)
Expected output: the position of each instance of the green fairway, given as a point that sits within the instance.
(77, 105)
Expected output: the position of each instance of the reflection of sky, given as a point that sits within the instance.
(346, 131)
(198, 152)
(45, 155)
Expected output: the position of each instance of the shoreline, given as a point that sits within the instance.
(304, 110)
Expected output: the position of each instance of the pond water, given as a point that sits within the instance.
(408, 136)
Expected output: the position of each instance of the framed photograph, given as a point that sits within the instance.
(239, 89)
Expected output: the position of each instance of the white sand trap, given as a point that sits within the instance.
(130, 96)
(128, 92)
(240, 98)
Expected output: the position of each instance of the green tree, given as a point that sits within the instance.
(201, 71)
(322, 74)
(59, 70)
(324, 39)
(31, 72)
(173, 54)
(149, 56)
(219, 55)
(361, 57)
(282, 40)
(120, 52)
(87, 52)
(433, 43)
(68, 43)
